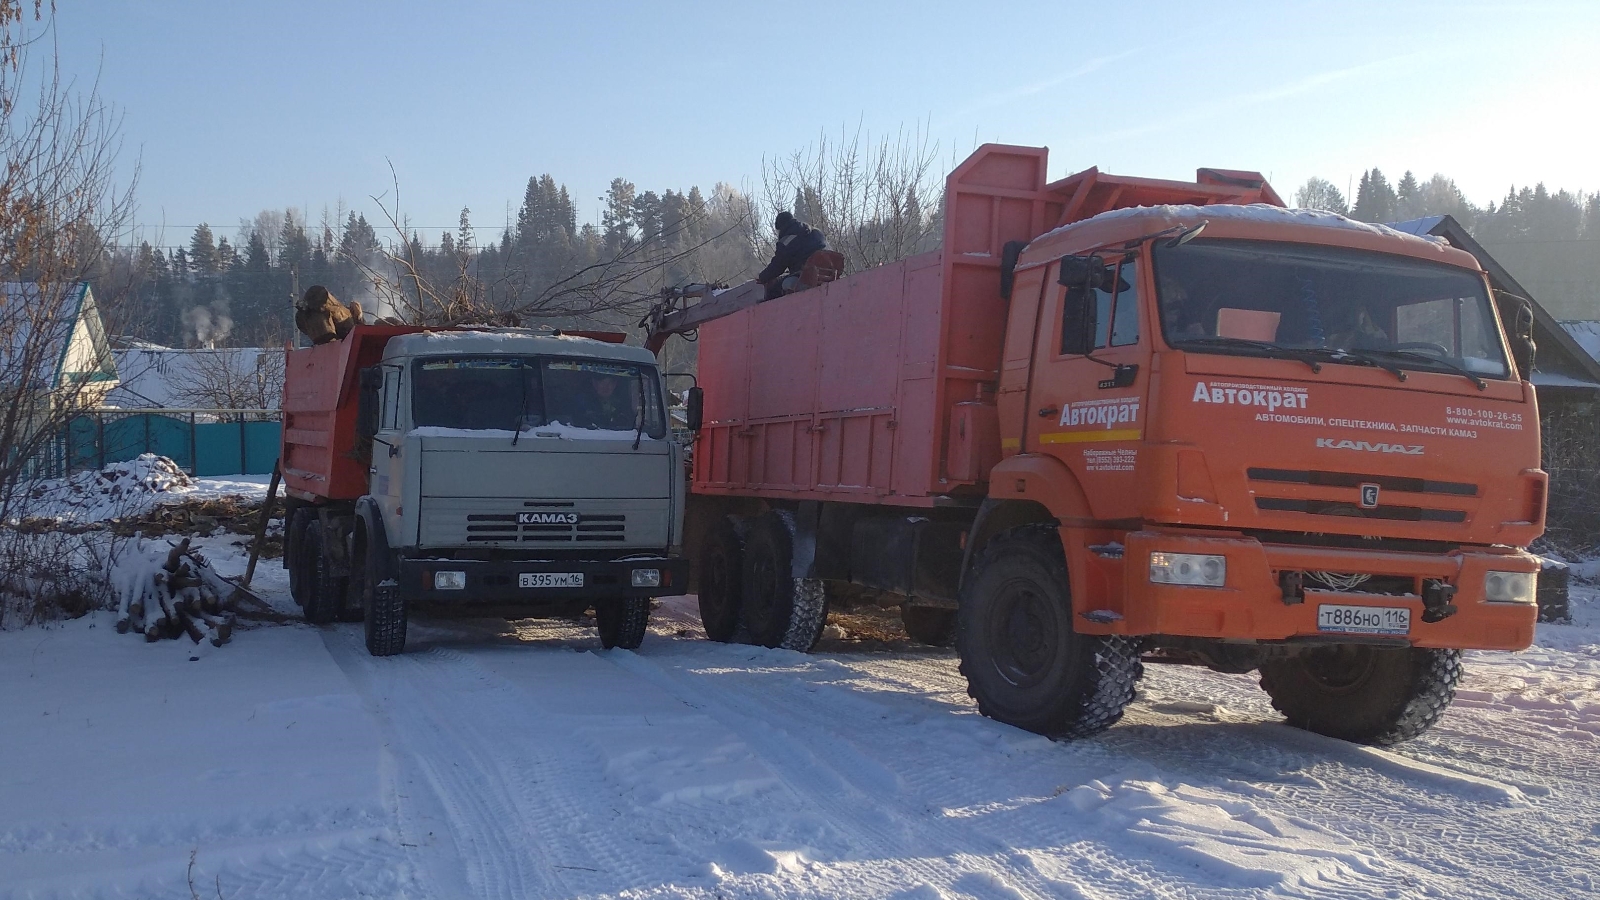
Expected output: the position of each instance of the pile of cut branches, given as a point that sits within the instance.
(178, 594)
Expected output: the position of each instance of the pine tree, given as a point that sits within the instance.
(1375, 199)
(203, 251)
(294, 247)
(1408, 200)
(616, 220)
(698, 227)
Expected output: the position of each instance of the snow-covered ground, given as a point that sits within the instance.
(519, 760)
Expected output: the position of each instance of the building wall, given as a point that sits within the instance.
(1570, 427)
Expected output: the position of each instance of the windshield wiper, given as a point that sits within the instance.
(1311, 356)
(637, 435)
(1440, 361)
(522, 408)
(1361, 357)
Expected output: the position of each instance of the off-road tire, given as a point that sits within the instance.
(294, 534)
(777, 609)
(932, 625)
(623, 623)
(808, 616)
(323, 593)
(721, 571)
(1024, 662)
(385, 618)
(1362, 693)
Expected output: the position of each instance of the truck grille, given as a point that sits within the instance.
(1354, 479)
(1340, 508)
(503, 528)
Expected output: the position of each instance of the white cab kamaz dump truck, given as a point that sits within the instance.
(509, 471)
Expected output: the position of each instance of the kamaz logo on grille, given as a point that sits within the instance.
(1331, 444)
(537, 518)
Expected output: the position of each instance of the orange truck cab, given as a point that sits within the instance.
(1116, 420)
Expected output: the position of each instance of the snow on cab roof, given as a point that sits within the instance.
(1253, 212)
(512, 340)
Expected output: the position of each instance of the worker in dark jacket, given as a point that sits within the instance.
(796, 242)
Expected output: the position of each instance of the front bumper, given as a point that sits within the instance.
(1251, 605)
(498, 581)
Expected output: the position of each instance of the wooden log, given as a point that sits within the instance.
(261, 526)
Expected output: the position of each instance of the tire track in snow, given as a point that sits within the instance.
(426, 709)
(530, 810)
(933, 767)
(1456, 835)
(856, 791)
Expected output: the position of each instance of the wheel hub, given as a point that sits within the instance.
(1023, 634)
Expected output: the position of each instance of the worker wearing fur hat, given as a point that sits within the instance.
(796, 242)
(322, 318)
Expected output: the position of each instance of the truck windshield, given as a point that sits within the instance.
(1328, 304)
(598, 397)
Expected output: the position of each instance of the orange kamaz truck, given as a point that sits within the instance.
(1114, 420)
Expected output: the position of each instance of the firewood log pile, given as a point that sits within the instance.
(173, 594)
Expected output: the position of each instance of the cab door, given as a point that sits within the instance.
(1088, 409)
(386, 476)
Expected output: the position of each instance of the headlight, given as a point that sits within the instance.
(1188, 568)
(1510, 587)
(449, 581)
(646, 577)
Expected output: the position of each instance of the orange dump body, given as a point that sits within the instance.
(320, 387)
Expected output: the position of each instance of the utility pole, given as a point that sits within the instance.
(294, 298)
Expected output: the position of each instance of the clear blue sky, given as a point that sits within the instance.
(232, 108)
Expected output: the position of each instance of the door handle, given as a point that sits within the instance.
(1049, 411)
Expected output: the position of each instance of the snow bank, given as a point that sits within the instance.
(128, 489)
(1253, 212)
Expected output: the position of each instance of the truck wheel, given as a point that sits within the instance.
(622, 622)
(322, 594)
(385, 609)
(721, 560)
(929, 624)
(1024, 662)
(294, 535)
(1362, 693)
(778, 609)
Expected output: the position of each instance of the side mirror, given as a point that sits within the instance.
(1522, 344)
(1008, 266)
(694, 408)
(367, 403)
(1082, 275)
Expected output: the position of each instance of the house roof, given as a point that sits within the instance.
(1561, 361)
(157, 377)
(48, 328)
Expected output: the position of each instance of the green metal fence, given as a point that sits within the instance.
(200, 441)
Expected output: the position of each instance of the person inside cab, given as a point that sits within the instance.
(796, 242)
(609, 406)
